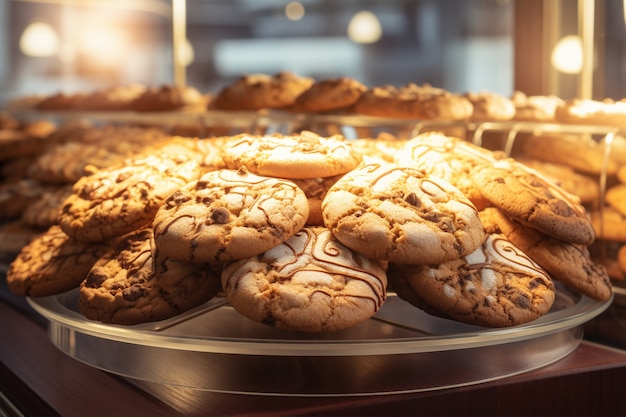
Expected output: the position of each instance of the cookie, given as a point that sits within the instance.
(449, 158)
(384, 146)
(400, 214)
(615, 197)
(170, 98)
(14, 235)
(607, 112)
(489, 106)
(413, 101)
(117, 98)
(262, 91)
(586, 188)
(497, 285)
(310, 283)
(304, 155)
(61, 101)
(329, 95)
(315, 190)
(568, 263)
(228, 215)
(532, 199)
(45, 211)
(115, 201)
(52, 263)
(609, 224)
(535, 108)
(16, 196)
(130, 284)
(583, 154)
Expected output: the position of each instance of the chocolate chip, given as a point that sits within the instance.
(220, 215)
(412, 199)
(133, 293)
(522, 301)
(95, 279)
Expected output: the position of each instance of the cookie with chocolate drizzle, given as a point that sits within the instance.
(400, 214)
(310, 283)
(228, 215)
(132, 284)
(497, 285)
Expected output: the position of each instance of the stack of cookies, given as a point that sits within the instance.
(308, 233)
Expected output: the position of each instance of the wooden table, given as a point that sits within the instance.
(41, 380)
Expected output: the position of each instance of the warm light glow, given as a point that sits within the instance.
(104, 44)
(567, 55)
(364, 27)
(39, 39)
(186, 53)
(294, 10)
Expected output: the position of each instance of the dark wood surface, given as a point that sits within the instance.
(590, 381)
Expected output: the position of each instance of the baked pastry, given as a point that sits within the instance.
(413, 101)
(586, 188)
(115, 201)
(497, 285)
(490, 107)
(117, 98)
(400, 214)
(16, 196)
(310, 283)
(262, 91)
(608, 224)
(130, 284)
(52, 263)
(533, 200)
(607, 112)
(44, 212)
(449, 158)
(61, 101)
(568, 263)
(170, 98)
(581, 153)
(227, 215)
(615, 197)
(304, 155)
(535, 108)
(330, 95)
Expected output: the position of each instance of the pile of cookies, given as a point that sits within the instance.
(308, 233)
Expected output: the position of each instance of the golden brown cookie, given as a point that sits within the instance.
(497, 285)
(532, 199)
(582, 186)
(52, 263)
(227, 215)
(262, 91)
(489, 106)
(615, 197)
(328, 95)
(449, 158)
(413, 101)
(304, 155)
(535, 108)
(130, 284)
(581, 153)
(400, 214)
(170, 98)
(117, 98)
(609, 224)
(45, 211)
(310, 283)
(568, 263)
(115, 201)
(607, 112)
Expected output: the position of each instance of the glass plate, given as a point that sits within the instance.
(401, 349)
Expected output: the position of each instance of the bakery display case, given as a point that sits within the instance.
(210, 358)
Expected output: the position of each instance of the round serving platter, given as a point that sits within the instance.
(401, 349)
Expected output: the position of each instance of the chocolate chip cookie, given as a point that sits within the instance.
(130, 284)
(400, 214)
(227, 215)
(309, 283)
